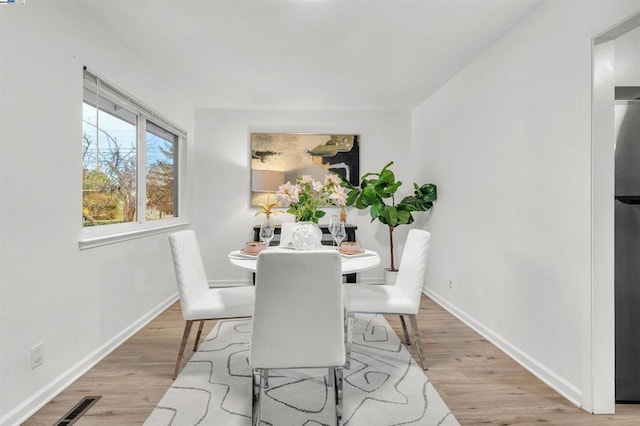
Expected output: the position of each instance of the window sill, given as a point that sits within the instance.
(103, 240)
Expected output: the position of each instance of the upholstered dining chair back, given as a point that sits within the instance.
(190, 273)
(298, 316)
(413, 266)
(298, 319)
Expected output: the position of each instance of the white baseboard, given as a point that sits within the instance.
(30, 406)
(229, 283)
(551, 379)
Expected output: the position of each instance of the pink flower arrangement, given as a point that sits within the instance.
(307, 196)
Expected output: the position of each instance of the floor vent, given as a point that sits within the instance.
(78, 411)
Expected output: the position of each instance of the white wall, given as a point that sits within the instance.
(78, 303)
(508, 141)
(220, 212)
(1, 209)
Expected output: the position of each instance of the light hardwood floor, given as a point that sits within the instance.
(478, 382)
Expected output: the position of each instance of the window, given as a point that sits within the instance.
(129, 159)
(160, 178)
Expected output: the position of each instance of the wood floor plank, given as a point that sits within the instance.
(480, 384)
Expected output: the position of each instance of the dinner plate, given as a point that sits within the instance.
(362, 254)
(239, 254)
(243, 251)
(352, 253)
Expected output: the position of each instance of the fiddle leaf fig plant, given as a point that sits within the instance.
(377, 192)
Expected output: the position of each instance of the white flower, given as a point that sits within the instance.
(338, 196)
(307, 196)
(287, 194)
(332, 179)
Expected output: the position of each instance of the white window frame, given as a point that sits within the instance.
(95, 236)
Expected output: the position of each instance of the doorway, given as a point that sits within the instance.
(607, 74)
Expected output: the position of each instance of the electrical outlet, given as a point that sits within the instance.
(450, 284)
(37, 355)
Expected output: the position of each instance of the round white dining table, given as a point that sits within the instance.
(350, 263)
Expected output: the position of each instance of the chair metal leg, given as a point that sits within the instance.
(416, 336)
(331, 379)
(348, 336)
(185, 337)
(195, 345)
(265, 375)
(337, 379)
(406, 332)
(256, 381)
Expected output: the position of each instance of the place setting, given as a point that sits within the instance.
(305, 236)
(252, 249)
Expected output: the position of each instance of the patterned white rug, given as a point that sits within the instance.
(384, 385)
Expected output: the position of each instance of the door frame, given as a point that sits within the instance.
(599, 360)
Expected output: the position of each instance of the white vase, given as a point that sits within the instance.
(390, 276)
(306, 236)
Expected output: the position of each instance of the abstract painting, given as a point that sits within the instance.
(277, 158)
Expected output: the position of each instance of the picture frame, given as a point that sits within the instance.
(277, 158)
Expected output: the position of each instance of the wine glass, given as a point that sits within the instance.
(266, 232)
(334, 223)
(339, 234)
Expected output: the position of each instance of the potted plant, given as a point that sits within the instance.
(377, 193)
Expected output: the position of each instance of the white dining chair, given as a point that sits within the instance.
(198, 301)
(403, 298)
(298, 318)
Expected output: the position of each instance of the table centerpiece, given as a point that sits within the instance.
(305, 199)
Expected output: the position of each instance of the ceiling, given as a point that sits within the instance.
(308, 54)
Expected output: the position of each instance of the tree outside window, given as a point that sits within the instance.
(161, 182)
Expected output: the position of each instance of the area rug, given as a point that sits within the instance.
(384, 386)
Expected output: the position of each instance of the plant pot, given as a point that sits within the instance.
(390, 276)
